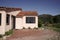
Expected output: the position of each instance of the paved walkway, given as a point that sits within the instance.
(28, 34)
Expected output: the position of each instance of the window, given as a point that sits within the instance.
(0, 19)
(30, 19)
(7, 19)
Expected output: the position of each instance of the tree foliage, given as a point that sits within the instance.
(56, 19)
(46, 18)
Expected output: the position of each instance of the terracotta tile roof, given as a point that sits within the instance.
(27, 13)
(9, 9)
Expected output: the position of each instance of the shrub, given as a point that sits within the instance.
(56, 29)
(29, 28)
(9, 32)
(23, 27)
(57, 25)
(50, 25)
(35, 28)
(39, 24)
(1, 36)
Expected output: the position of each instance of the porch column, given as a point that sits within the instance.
(3, 22)
(10, 22)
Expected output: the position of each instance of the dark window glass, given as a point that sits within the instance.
(30, 19)
(0, 19)
(7, 19)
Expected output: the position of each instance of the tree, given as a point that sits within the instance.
(56, 19)
(46, 18)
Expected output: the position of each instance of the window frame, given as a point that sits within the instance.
(7, 19)
(0, 18)
(31, 19)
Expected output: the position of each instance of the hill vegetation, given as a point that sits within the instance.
(49, 21)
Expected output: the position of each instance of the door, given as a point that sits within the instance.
(13, 21)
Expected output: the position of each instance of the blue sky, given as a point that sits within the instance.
(41, 6)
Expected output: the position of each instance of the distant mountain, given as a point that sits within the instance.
(46, 18)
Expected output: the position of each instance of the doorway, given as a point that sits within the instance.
(13, 22)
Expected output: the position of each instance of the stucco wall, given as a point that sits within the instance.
(3, 26)
(3, 22)
(21, 22)
(10, 26)
(14, 12)
(31, 25)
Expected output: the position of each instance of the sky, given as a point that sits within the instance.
(41, 6)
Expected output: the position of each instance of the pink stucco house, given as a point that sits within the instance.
(27, 19)
(15, 18)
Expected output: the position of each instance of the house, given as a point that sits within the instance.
(7, 17)
(27, 19)
(15, 18)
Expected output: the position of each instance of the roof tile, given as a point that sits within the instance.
(27, 13)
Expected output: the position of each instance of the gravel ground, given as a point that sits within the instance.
(29, 34)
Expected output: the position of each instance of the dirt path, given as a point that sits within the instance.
(29, 34)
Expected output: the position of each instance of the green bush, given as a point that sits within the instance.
(56, 29)
(35, 28)
(29, 28)
(57, 25)
(9, 32)
(1, 36)
(39, 24)
(23, 27)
